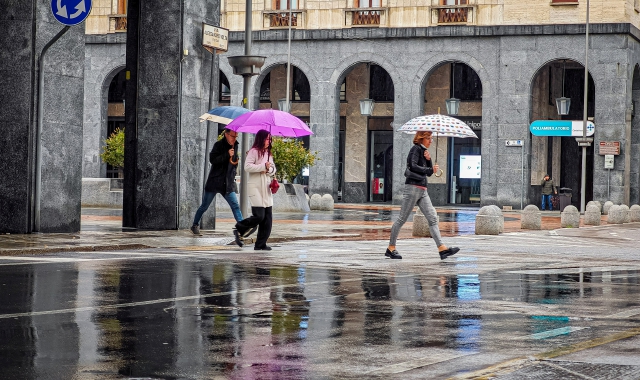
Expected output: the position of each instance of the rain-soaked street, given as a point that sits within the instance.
(534, 305)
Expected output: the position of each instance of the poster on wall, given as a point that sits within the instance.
(470, 166)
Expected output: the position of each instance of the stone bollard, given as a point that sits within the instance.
(599, 206)
(592, 215)
(591, 203)
(314, 202)
(420, 224)
(605, 208)
(489, 221)
(499, 211)
(625, 213)
(570, 217)
(615, 215)
(531, 218)
(634, 214)
(326, 202)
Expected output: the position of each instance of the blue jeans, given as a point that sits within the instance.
(231, 199)
(546, 199)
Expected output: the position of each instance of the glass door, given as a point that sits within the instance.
(380, 165)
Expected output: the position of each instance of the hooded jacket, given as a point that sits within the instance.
(223, 173)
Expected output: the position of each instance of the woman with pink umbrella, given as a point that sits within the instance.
(261, 169)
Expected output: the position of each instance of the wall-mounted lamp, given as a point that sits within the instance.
(453, 104)
(563, 104)
(366, 107)
(284, 105)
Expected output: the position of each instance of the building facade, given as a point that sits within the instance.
(507, 63)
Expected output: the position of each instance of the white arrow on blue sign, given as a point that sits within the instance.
(71, 12)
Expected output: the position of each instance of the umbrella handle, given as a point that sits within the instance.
(440, 172)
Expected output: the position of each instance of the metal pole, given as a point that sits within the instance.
(246, 83)
(288, 63)
(583, 182)
(522, 166)
(212, 100)
(38, 180)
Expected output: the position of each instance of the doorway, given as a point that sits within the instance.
(380, 159)
(465, 166)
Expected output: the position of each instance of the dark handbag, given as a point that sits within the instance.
(274, 186)
(412, 175)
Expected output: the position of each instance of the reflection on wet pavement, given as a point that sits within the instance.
(199, 319)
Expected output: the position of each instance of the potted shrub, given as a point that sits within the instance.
(290, 157)
(113, 150)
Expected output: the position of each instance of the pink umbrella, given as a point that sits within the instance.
(278, 123)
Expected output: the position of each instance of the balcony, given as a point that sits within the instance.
(117, 23)
(364, 16)
(280, 19)
(453, 14)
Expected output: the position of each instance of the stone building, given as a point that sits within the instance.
(506, 61)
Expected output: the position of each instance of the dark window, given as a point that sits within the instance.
(225, 89)
(117, 88)
(466, 83)
(265, 89)
(381, 85)
(343, 90)
(301, 88)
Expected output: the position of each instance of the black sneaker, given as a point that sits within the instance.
(265, 248)
(195, 229)
(238, 238)
(448, 252)
(249, 231)
(392, 254)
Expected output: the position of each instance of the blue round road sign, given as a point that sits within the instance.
(70, 12)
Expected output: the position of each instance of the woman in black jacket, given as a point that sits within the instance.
(419, 167)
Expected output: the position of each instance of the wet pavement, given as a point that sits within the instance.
(521, 305)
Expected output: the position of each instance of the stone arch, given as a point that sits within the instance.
(534, 73)
(275, 61)
(95, 115)
(425, 71)
(342, 69)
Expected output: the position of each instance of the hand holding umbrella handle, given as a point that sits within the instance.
(439, 172)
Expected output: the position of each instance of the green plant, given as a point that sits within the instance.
(113, 150)
(290, 157)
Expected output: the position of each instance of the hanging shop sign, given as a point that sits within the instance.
(215, 38)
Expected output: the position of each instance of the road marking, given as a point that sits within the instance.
(410, 365)
(553, 333)
(625, 314)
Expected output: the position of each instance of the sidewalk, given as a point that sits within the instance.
(102, 229)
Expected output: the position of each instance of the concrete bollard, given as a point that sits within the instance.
(570, 217)
(314, 202)
(420, 224)
(625, 213)
(326, 202)
(592, 215)
(615, 215)
(489, 221)
(599, 206)
(499, 212)
(634, 214)
(605, 208)
(530, 218)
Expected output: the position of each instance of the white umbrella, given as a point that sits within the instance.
(440, 126)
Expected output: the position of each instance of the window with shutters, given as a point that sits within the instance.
(366, 17)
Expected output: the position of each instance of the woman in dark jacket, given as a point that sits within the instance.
(419, 167)
(222, 177)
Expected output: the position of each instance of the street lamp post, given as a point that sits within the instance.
(584, 143)
(246, 65)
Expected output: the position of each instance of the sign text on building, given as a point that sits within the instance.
(560, 128)
(215, 38)
(609, 147)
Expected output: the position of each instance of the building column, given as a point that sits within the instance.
(165, 142)
(29, 26)
(324, 119)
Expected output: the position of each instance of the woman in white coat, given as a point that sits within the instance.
(260, 169)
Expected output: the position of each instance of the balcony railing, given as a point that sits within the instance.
(366, 18)
(117, 23)
(280, 19)
(452, 15)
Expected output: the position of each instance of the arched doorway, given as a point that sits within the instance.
(115, 116)
(560, 156)
(461, 159)
(366, 140)
(634, 185)
(273, 93)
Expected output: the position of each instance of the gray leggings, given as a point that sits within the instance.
(411, 196)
